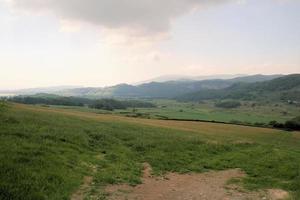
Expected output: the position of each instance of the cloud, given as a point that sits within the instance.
(140, 16)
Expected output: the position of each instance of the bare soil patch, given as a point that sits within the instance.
(84, 188)
(278, 194)
(173, 186)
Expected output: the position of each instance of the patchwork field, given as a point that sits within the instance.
(53, 153)
(247, 113)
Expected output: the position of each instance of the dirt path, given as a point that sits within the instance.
(206, 186)
(84, 188)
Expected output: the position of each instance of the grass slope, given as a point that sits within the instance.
(45, 152)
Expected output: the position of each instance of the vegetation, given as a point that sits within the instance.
(284, 88)
(293, 124)
(249, 113)
(105, 104)
(49, 99)
(166, 90)
(2, 106)
(46, 152)
(111, 104)
(228, 104)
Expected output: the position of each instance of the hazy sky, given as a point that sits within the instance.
(104, 42)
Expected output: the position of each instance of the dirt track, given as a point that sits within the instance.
(174, 186)
(206, 186)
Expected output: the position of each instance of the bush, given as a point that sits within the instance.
(3, 106)
(228, 104)
(111, 104)
(107, 104)
(272, 123)
(276, 124)
(293, 124)
(259, 124)
(50, 100)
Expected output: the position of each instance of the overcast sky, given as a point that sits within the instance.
(105, 42)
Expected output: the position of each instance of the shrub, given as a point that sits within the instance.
(272, 123)
(259, 124)
(111, 104)
(3, 106)
(228, 104)
(50, 100)
(293, 124)
(279, 125)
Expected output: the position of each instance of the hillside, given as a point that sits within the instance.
(286, 88)
(167, 78)
(168, 89)
(48, 153)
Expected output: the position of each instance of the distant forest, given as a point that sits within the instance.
(104, 104)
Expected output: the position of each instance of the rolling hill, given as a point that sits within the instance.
(169, 89)
(285, 88)
(47, 153)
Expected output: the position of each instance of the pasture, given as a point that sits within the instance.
(45, 152)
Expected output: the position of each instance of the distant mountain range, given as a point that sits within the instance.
(285, 88)
(167, 78)
(275, 87)
(169, 89)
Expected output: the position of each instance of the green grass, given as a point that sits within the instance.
(261, 112)
(45, 152)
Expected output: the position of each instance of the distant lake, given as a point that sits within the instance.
(6, 95)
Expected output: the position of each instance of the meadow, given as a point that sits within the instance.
(45, 151)
(248, 113)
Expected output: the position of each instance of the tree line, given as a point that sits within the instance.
(104, 104)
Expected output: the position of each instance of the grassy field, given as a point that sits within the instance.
(206, 110)
(46, 152)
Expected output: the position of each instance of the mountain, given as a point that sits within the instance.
(285, 88)
(237, 77)
(168, 78)
(169, 89)
(256, 78)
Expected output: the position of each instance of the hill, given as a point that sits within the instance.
(48, 153)
(167, 78)
(286, 88)
(242, 77)
(169, 89)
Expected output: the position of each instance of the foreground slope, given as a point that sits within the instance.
(45, 152)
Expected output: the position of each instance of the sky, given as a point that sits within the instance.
(106, 42)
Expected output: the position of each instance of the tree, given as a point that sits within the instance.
(293, 124)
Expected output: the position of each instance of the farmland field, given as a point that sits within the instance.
(45, 152)
(249, 112)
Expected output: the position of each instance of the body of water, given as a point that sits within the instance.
(6, 95)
